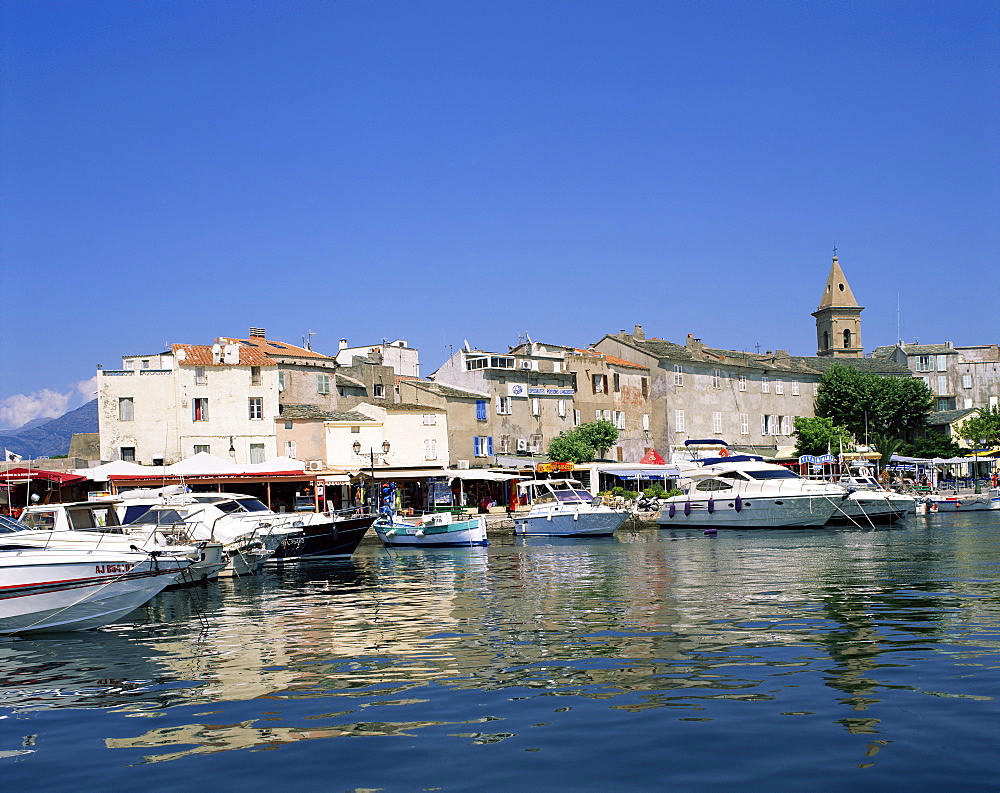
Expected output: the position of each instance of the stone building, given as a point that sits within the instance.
(606, 388)
(460, 408)
(526, 400)
(838, 318)
(700, 392)
(959, 377)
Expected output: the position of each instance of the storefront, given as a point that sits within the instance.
(22, 486)
(426, 490)
(281, 492)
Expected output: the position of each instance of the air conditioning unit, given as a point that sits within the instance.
(522, 445)
(462, 464)
(315, 465)
(525, 364)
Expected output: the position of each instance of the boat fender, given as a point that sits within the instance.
(711, 506)
(672, 510)
(687, 507)
(711, 532)
(576, 515)
(549, 517)
(739, 503)
(420, 533)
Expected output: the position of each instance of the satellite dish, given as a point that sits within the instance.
(467, 347)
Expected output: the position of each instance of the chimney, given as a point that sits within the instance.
(343, 344)
(258, 333)
(694, 345)
(638, 333)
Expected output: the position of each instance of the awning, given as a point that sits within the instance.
(479, 473)
(16, 475)
(644, 473)
(391, 474)
(334, 479)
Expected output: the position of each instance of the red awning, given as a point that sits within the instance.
(15, 475)
(261, 475)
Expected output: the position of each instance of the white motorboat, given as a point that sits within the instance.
(869, 502)
(61, 589)
(437, 529)
(94, 524)
(744, 492)
(249, 532)
(563, 508)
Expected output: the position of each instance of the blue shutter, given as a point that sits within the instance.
(489, 446)
(481, 409)
(476, 444)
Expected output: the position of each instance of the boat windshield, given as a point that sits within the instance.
(8, 525)
(39, 521)
(784, 473)
(252, 505)
(133, 511)
(574, 496)
(158, 517)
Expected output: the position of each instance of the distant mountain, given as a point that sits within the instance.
(52, 437)
(29, 426)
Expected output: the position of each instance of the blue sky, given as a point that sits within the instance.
(440, 171)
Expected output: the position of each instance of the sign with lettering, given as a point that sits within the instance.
(522, 390)
(548, 468)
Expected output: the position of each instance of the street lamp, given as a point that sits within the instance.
(357, 447)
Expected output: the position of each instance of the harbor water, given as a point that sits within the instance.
(845, 659)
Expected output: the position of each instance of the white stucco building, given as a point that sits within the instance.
(221, 399)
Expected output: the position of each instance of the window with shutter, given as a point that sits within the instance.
(480, 410)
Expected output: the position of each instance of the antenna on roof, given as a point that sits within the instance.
(307, 340)
(899, 337)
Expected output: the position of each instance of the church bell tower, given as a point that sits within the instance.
(838, 318)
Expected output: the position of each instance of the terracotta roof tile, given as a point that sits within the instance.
(253, 352)
(610, 358)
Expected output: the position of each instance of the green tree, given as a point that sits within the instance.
(984, 427)
(819, 435)
(934, 444)
(886, 445)
(602, 435)
(868, 404)
(569, 447)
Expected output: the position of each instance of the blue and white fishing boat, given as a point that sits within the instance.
(436, 530)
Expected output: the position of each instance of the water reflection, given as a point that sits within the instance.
(402, 643)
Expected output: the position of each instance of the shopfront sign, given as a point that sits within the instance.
(522, 390)
(549, 468)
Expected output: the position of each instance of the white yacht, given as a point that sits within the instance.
(563, 508)
(744, 492)
(94, 524)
